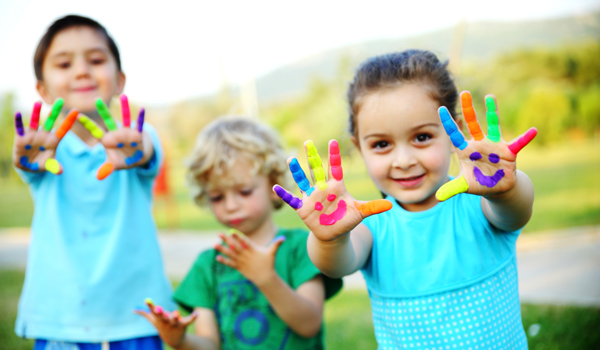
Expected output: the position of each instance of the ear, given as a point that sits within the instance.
(120, 82)
(43, 91)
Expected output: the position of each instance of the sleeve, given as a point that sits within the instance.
(152, 167)
(30, 178)
(198, 287)
(304, 270)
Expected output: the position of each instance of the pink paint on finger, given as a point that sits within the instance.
(158, 310)
(335, 160)
(318, 206)
(331, 197)
(35, 116)
(332, 218)
(125, 111)
(522, 141)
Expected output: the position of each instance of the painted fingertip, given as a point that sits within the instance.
(149, 301)
(53, 166)
(19, 124)
(158, 309)
(140, 122)
(281, 238)
(105, 170)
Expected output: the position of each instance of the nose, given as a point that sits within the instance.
(231, 203)
(404, 158)
(81, 68)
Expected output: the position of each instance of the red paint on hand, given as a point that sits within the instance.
(331, 197)
(318, 206)
(522, 141)
(332, 218)
(335, 160)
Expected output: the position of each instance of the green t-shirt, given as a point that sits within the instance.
(245, 318)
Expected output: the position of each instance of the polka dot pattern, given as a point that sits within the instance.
(485, 315)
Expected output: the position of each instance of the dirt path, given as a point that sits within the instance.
(559, 267)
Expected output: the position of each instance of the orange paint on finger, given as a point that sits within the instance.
(469, 113)
(105, 170)
(67, 123)
(374, 207)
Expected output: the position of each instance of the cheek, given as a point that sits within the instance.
(437, 157)
(377, 166)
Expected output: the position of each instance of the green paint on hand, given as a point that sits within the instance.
(492, 120)
(105, 114)
(56, 108)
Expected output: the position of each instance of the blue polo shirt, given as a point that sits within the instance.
(94, 253)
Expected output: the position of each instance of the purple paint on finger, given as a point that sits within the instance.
(494, 158)
(19, 124)
(488, 181)
(332, 218)
(140, 121)
(475, 156)
(293, 202)
(318, 206)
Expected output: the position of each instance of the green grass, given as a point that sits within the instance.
(565, 177)
(348, 322)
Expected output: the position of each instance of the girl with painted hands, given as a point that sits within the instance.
(257, 289)
(440, 264)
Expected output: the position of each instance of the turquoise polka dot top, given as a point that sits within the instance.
(444, 278)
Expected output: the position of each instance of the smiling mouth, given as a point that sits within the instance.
(488, 181)
(85, 89)
(236, 221)
(410, 181)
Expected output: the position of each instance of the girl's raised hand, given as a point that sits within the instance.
(254, 262)
(124, 146)
(327, 208)
(170, 326)
(34, 149)
(487, 163)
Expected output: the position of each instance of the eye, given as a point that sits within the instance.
(246, 192)
(380, 144)
(423, 137)
(64, 65)
(97, 60)
(215, 199)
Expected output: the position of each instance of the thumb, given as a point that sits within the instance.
(373, 207)
(275, 244)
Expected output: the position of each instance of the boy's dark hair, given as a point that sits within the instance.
(390, 70)
(66, 23)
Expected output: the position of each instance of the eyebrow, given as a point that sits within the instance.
(411, 130)
(92, 50)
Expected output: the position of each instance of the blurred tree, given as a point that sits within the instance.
(7, 131)
(589, 110)
(548, 108)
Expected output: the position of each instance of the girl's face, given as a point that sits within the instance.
(79, 67)
(404, 145)
(246, 203)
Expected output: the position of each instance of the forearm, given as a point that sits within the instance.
(148, 149)
(300, 314)
(512, 209)
(195, 342)
(342, 256)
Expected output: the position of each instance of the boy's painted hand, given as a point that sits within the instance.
(124, 146)
(327, 208)
(487, 163)
(170, 326)
(34, 149)
(254, 262)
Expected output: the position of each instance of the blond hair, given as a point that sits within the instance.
(231, 139)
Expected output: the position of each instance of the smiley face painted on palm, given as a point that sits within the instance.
(488, 181)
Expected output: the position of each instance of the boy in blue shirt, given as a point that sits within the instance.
(94, 252)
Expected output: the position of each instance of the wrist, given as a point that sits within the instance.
(180, 345)
(267, 279)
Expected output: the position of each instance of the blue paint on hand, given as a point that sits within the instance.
(27, 147)
(136, 157)
(134, 144)
(120, 144)
(42, 148)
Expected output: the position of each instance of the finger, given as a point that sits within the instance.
(314, 160)
(493, 121)
(231, 242)
(67, 124)
(140, 121)
(186, 321)
(456, 136)
(226, 250)
(373, 207)
(175, 318)
(523, 140)
(91, 126)
(35, 116)
(275, 244)
(300, 177)
(125, 112)
(56, 108)
(105, 169)
(335, 160)
(149, 302)
(53, 166)
(105, 115)
(452, 188)
(19, 124)
(225, 261)
(144, 314)
(466, 104)
(241, 240)
(287, 197)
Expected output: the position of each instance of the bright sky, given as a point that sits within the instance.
(172, 50)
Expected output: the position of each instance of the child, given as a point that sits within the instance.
(261, 291)
(439, 275)
(94, 250)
